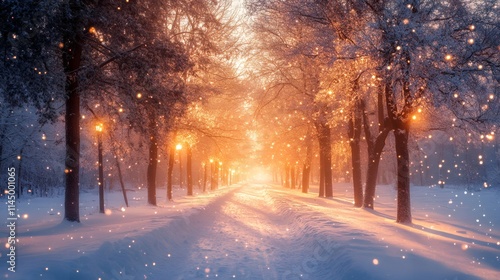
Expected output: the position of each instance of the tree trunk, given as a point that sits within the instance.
(321, 176)
(328, 170)
(355, 137)
(212, 176)
(152, 165)
(325, 150)
(292, 177)
(287, 176)
(124, 191)
(306, 170)
(281, 177)
(226, 175)
(189, 170)
(373, 165)
(311, 171)
(180, 169)
(275, 175)
(170, 171)
(375, 146)
(205, 177)
(216, 177)
(403, 181)
(72, 55)
(223, 175)
(401, 133)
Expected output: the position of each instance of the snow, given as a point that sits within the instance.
(261, 231)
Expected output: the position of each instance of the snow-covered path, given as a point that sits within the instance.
(245, 234)
(259, 231)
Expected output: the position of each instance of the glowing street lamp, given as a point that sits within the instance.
(99, 128)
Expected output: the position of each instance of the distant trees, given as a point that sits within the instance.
(295, 73)
(212, 47)
(24, 143)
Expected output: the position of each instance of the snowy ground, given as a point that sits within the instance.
(260, 231)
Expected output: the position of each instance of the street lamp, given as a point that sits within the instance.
(178, 147)
(99, 129)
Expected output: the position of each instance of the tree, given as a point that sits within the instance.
(31, 46)
(412, 74)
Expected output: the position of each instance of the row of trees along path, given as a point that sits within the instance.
(288, 83)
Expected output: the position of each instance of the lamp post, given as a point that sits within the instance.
(99, 129)
(178, 147)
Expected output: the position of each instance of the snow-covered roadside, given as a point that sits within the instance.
(46, 244)
(454, 235)
(258, 231)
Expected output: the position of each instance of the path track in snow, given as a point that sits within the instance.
(249, 234)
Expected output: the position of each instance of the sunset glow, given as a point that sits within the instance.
(250, 139)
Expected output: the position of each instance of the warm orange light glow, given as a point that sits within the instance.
(99, 127)
(178, 147)
(261, 174)
(139, 95)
